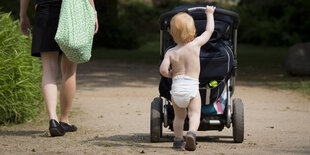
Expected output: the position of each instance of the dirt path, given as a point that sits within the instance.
(112, 111)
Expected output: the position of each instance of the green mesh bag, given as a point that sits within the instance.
(75, 30)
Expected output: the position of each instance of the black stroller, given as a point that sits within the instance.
(218, 60)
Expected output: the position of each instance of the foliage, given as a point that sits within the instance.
(263, 65)
(13, 7)
(114, 32)
(128, 23)
(20, 74)
(274, 22)
(141, 15)
(166, 3)
(148, 53)
(135, 22)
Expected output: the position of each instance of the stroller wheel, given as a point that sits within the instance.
(156, 119)
(238, 120)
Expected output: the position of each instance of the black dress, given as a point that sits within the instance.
(45, 27)
(44, 1)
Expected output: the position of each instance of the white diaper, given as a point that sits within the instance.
(183, 89)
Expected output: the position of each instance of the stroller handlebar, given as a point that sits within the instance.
(233, 15)
(196, 9)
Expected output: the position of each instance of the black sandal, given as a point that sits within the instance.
(56, 129)
(67, 127)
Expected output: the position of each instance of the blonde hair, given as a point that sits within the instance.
(182, 28)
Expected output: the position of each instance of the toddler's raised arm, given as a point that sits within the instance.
(205, 36)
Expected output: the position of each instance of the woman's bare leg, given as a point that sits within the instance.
(178, 123)
(194, 110)
(68, 86)
(49, 84)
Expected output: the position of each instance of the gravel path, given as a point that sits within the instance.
(112, 111)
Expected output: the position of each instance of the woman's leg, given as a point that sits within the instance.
(194, 110)
(178, 123)
(49, 85)
(68, 85)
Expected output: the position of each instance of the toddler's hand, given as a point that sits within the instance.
(210, 9)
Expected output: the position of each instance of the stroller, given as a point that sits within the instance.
(218, 62)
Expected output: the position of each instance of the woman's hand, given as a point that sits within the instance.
(25, 25)
(97, 24)
(24, 20)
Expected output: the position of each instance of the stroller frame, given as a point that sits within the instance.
(162, 112)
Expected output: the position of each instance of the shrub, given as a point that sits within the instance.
(116, 34)
(13, 7)
(274, 22)
(20, 74)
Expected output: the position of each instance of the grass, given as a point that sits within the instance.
(259, 61)
(20, 75)
(266, 65)
(260, 64)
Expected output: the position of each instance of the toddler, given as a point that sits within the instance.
(185, 63)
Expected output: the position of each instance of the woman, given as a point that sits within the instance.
(44, 46)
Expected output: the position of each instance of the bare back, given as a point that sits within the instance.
(185, 60)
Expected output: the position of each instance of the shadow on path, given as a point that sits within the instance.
(21, 133)
(216, 139)
(115, 74)
(142, 140)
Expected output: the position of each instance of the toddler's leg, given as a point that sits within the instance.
(178, 123)
(194, 121)
(194, 110)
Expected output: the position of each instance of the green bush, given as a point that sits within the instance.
(128, 24)
(13, 7)
(143, 17)
(116, 34)
(274, 22)
(20, 74)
